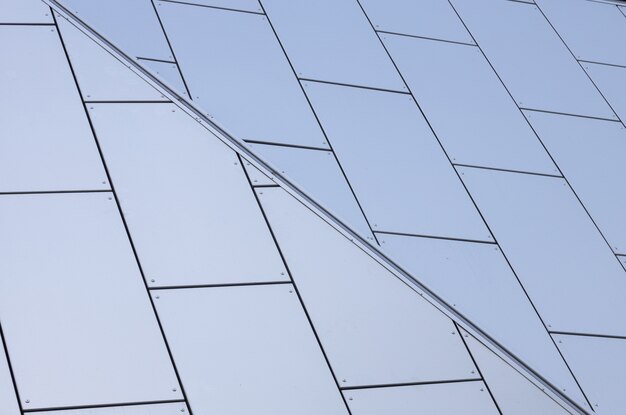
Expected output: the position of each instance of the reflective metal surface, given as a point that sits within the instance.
(154, 409)
(256, 177)
(24, 11)
(8, 400)
(243, 5)
(168, 72)
(611, 80)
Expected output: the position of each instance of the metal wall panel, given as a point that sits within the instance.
(317, 173)
(8, 400)
(593, 31)
(155, 409)
(441, 399)
(168, 72)
(393, 161)
(471, 112)
(100, 75)
(375, 329)
(187, 202)
(600, 366)
(256, 177)
(478, 282)
(569, 272)
(611, 80)
(24, 11)
(533, 62)
(247, 350)
(243, 5)
(332, 40)
(514, 394)
(45, 139)
(243, 80)
(79, 326)
(591, 155)
(432, 18)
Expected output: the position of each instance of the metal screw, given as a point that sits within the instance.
(27, 401)
(152, 280)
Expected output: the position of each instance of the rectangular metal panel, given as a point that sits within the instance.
(568, 270)
(332, 40)
(593, 31)
(167, 72)
(470, 110)
(600, 366)
(247, 350)
(100, 75)
(374, 328)
(256, 177)
(8, 400)
(396, 167)
(79, 326)
(533, 62)
(611, 80)
(241, 78)
(243, 5)
(431, 18)
(591, 155)
(188, 204)
(24, 11)
(154, 409)
(45, 139)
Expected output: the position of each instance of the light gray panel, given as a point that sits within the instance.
(593, 31)
(189, 207)
(78, 322)
(317, 173)
(168, 72)
(478, 282)
(514, 394)
(131, 25)
(256, 177)
(560, 257)
(8, 400)
(24, 11)
(155, 409)
(469, 109)
(243, 80)
(440, 399)
(611, 80)
(244, 5)
(397, 169)
(100, 75)
(591, 155)
(533, 62)
(331, 40)
(600, 366)
(45, 139)
(247, 350)
(622, 260)
(431, 18)
(375, 329)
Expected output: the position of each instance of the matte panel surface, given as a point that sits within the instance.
(8, 400)
(533, 62)
(396, 167)
(369, 340)
(470, 110)
(168, 72)
(186, 199)
(161, 409)
(256, 177)
(611, 80)
(78, 322)
(45, 139)
(569, 272)
(243, 5)
(24, 11)
(247, 350)
(331, 40)
(244, 81)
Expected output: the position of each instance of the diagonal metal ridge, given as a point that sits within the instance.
(239, 146)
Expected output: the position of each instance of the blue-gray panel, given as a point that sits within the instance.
(374, 328)
(242, 5)
(600, 366)
(441, 399)
(168, 72)
(79, 326)
(256, 177)
(434, 19)
(24, 11)
(469, 109)
(45, 140)
(241, 77)
(153, 409)
(332, 40)
(131, 25)
(8, 400)
(611, 80)
(593, 31)
(188, 204)
(533, 62)
(393, 161)
(566, 267)
(478, 282)
(247, 350)
(591, 155)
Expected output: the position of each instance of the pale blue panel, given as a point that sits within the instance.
(533, 62)
(469, 109)
(331, 40)
(431, 18)
(256, 177)
(247, 350)
(591, 155)
(188, 204)
(240, 77)
(168, 72)
(397, 168)
(568, 270)
(77, 319)
(24, 11)
(8, 400)
(154, 409)
(243, 5)
(611, 80)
